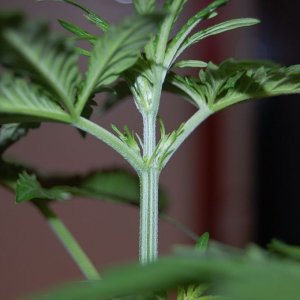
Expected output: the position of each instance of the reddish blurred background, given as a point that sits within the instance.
(211, 181)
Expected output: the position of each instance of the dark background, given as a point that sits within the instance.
(278, 147)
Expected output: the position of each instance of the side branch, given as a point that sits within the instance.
(68, 241)
(111, 140)
(193, 122)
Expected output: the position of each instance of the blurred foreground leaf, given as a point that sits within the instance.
(285, 250)
(235, 276)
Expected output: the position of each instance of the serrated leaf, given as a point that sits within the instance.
(27, 102)
(214, 30)
(184, 86)
(10, 173)
(117, 186)
(128, 137)
(89, 15)
(115, 52)
(80, 33)
(233, 81)
(11, 133)
(180, 37)
(28, 188)
(155, 49)
(144, 6)
(46, 58)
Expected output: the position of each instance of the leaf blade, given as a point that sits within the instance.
(89, 15)
(117, 185)
(202, 242)
(231, 82)
(47, 59)
(176, 42)
(156, 48)
(116, 51)
(21, 98)
(28, 188)
(77, 31)
(216, 29)
(190, 64)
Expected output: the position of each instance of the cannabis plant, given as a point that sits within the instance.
(141, 57)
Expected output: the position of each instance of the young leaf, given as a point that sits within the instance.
(80, 33)
(90, 15)
(11, 133)
(128, 137)
(183, 33)
(202, 242)
(195, 292)
(190, 64)
(164, 147)
(184, 86)
(214, 30)
(47, 59)
(115, 52)
(21, 101)
(28, 188)
(144, 6)
(155, 49)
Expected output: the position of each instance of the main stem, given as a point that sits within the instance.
(149, 178)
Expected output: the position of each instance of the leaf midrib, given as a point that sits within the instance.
(37, 112)
(93, 83)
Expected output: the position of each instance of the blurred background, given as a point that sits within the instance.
(236, 177)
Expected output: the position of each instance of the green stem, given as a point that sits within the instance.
(193, 122)
(149, 216)
(70, 244)
(149, 178)
(111, 140)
